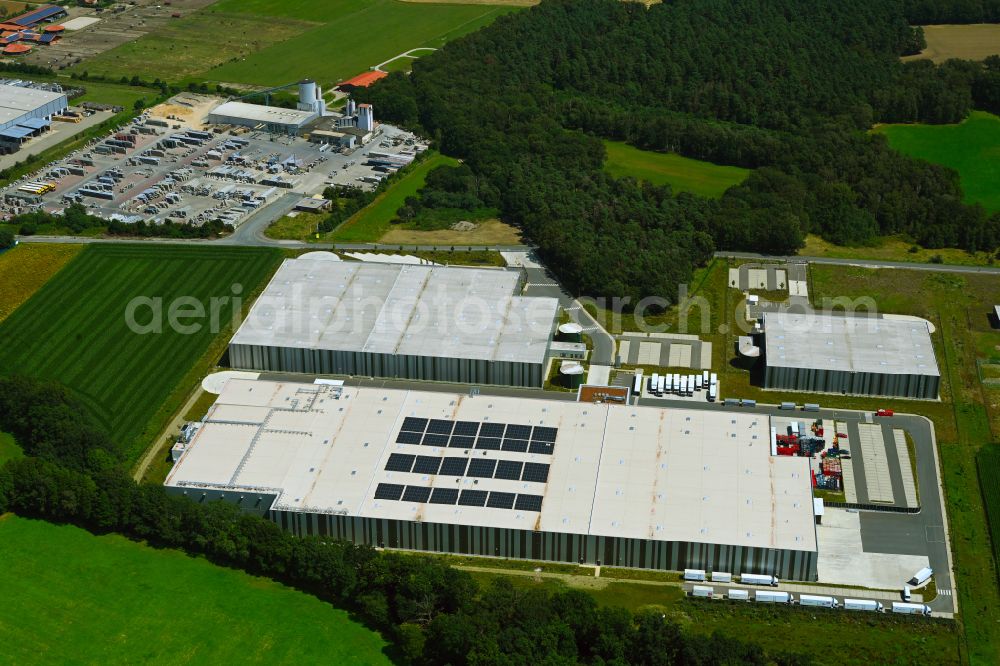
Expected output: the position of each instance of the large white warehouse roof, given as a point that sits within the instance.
(405, 310)
(521, 463)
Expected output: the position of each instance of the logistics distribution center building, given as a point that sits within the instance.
(528, 478)
(424, 322)
(22, 108)
(844, 354)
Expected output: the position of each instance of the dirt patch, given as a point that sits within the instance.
(489, 232)
(968, 42)
(186, 108)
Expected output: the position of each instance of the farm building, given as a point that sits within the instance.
(391, 320)
(43, 14)
(362, 80)
(529, 478)
(26, 112)
(844, 354)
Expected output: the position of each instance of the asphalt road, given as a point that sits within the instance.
(865, 263)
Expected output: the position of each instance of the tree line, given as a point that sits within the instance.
(782, 86)
(76, 219)
(74, 473)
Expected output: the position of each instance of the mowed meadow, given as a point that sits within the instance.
(683, 174)
(74, 329)
(274, 42)
(71, 597)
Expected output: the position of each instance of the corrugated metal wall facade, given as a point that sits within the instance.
(46, 111)
(922, 387)
(550, 546)
(429, 368)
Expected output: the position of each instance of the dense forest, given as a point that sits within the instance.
(787, 87)
(433, 613)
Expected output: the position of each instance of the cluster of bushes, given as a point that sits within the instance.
(345, 201)
(449, 195)
(7, 239)
(789, 89)
(76, 219)
(435, 614)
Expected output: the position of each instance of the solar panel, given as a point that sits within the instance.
(491, 430)
(413, 424)
(416, 494)
(444, 496)
(467, 428)
(435, 440)
(427, 465)
(545, 448)
(536, 472)
(388, 491)
(528, 503)
(519, 445)
(544, 433)
(440, 427)
(500, 500)
(482, 468)
(399, 462)
(458, 442)
(508, 469)
(518, 432)
(454, 466)
(408, 438)
(472, 498)
(488, 443)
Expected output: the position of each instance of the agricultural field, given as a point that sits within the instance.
(373, 221)
(971, 147)
(486, 232)
(273, 42)
(72, 597)
(75, 330)
(966, 42)
(681, 173)
(988, 462)
(25, 268)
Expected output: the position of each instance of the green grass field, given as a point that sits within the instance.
(71, 597)
(74, 328)
(972, 148)
(681, 173)
(9, 450)
(988, 462)
(272, 42)
(370, 223)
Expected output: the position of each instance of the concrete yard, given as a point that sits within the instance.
(60, 132)
(843, 560)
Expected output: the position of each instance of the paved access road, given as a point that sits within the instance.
(863, 263)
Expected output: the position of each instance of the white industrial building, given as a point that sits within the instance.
(310, 107)
(844, 354)
(26, 111)
(530, 478)
(403, 321)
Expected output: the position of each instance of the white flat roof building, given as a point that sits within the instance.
(18, 104)
(847, 354)
(393, 320)
(273, 118)
(520, 477)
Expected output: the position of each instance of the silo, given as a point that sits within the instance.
(571, 332)
(366, 117)
(307, 95)
(571, 374)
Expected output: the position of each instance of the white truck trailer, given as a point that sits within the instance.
(910, 609)
(702, 591)
(694, 574)
(817, 600)
(722, 577)
(863, 605)
(772, 597)
(921, 576)
(637, 383)
(759, 579)
(738, 595)
(662, 386)
(654, 384)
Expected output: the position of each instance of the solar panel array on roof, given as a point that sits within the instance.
(38, 15)
(481, 498)
(487, 435)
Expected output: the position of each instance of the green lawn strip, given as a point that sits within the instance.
(971, 147)
(370, 223)
(71, 597)
(988, 462)
(681, 173)
(9, 450)
(74, 330)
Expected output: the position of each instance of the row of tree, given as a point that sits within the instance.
(435, 614)
(785, 87)
(76, 219)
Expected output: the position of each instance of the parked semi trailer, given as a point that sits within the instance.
(863, 605)
(817, 600)
(694, 574)
(739, 595)
(772, 597)
(758, 579)
(702, 591)
(910, 609)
